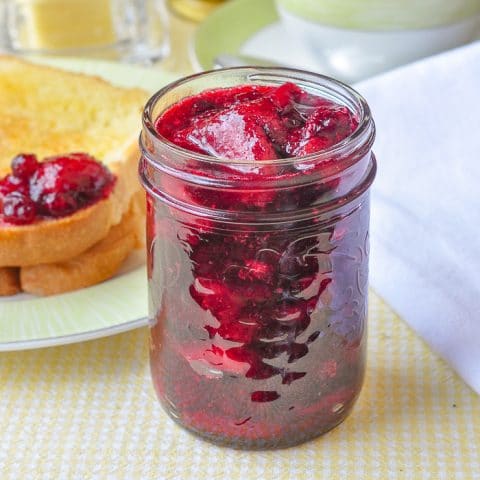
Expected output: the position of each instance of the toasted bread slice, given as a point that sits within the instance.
(56, 240)
(49, 112)
(95, 265)
(9, 281)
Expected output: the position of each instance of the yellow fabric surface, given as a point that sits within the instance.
(88, 411)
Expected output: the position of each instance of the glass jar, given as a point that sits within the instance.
(127, 30)
(258, 275)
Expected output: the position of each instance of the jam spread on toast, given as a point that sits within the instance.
(55, 187)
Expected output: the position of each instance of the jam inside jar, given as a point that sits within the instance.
(257, 267)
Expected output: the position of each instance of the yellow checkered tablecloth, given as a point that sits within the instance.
(88, 411)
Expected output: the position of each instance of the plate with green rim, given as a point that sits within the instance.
(250, 27)
(111, 307)
(253, 28)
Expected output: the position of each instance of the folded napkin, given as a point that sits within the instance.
(425, 226)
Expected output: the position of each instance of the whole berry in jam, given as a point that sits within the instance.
(18, 208)
(10, 183)
(24, 165)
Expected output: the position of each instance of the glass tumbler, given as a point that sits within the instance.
(258, 275)
(195, 10)
(129, 30)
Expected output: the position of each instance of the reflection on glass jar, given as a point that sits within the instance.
(258, 276)
(132, 30)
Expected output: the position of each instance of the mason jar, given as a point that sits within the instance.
(258, 275)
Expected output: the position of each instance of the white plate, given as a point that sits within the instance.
(111, 307)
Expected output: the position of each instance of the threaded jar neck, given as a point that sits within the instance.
(348, 165)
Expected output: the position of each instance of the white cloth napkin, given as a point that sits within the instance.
(425, 226)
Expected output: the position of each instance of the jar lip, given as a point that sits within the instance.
(360, 139)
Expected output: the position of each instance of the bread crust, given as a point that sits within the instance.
(9, 281)
(93, 266)
(96, 264)
(55, 240)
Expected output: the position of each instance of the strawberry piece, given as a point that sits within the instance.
(232, 134)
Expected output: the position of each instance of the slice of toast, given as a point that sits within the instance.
(98, 263)
(93, 266)
(48, 111)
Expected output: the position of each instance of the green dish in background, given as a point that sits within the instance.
(228, 28)
(383, 14)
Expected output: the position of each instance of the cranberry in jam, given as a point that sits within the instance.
(257, 225)
(53, 188)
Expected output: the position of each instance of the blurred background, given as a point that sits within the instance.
(350, 40)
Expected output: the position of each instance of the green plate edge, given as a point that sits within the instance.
(373, 15)
(228, 27)
(113, 306)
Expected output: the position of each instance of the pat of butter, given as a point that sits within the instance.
(53, 24)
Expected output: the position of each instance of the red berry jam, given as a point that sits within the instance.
(257, 262)
(256, 123)
(56, 187)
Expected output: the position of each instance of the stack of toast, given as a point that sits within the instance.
(47, 112)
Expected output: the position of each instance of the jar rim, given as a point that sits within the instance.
(360, 140)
